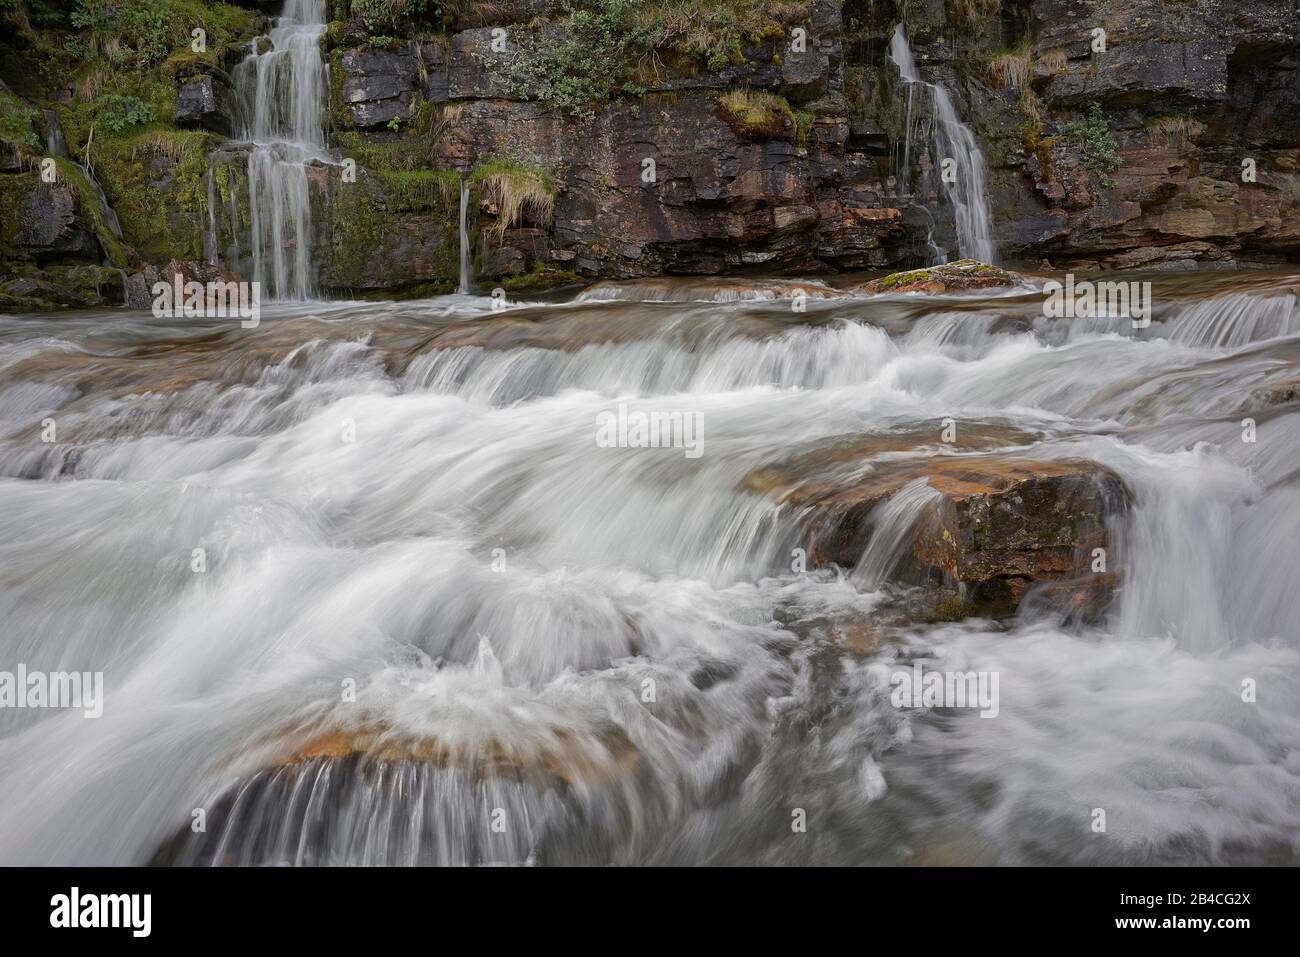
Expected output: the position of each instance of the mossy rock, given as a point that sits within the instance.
(961, 276)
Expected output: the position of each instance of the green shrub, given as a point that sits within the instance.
(1095, 141)
(17, 123)
(378, 15)
(118, 113)
(613, 47)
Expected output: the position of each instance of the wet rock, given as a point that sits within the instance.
(709, 290)
(372, 239)
(964, 275)
(60, 285)
(203, 102)
(51, 223)
(377, 85)
(139, 285)
(815, 70)
(1281, 392)
(995, 526)
(564, 757)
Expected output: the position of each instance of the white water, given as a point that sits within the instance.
(280, 96)
(211, 252)
(466, 276)
(949, 138)
(372, 561)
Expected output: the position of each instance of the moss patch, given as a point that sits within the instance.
(155, 183)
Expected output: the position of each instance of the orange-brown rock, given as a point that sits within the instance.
(562, 757)
(999, 524)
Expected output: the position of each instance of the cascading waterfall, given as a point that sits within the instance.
(280, 94)
(501, 589)
(466, 279)
(949, 138)
(57, 147)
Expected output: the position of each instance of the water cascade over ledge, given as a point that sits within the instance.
(501, 589)
(280, 106)
(949, 139)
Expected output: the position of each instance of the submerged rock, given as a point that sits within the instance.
(963, 275)
(374, 795)
(565, 759)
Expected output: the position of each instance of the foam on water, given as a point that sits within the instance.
(373, 561)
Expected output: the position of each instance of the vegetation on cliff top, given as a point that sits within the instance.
(612, 47)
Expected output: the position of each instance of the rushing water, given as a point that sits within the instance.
(280, 111)
(949, 139)
(606, 650)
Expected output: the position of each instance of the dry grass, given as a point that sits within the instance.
(1053, 61)
(515, 190)
(1010, 70)
(1173, 131)
(92, 84)
(972, 14)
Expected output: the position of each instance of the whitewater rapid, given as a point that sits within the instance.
(406, 503)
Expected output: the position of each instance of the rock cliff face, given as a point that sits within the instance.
(701, 138)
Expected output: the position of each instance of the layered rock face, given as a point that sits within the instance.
(1196, 100)
(1117, 133)
(667, 181)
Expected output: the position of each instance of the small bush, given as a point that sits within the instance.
(764, 115)
(1095, 141)
(17, 123)
(118, 113)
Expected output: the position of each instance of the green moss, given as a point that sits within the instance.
(155, 183)
(18, 124)
(363, 215)
(418, 190)
(358, 226)
(340, 115)
(88, 203)
(13, 187)
(541, 276)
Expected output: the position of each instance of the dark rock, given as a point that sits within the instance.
(203, 102)
(997, 525)
(52, 224)
(139, 285)
(377, 85)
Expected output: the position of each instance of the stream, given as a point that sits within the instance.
(431, 619)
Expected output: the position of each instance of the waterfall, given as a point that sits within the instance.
(466, 280)
(211, 254)
(280, 106)
(950, 138)
(56, 146)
